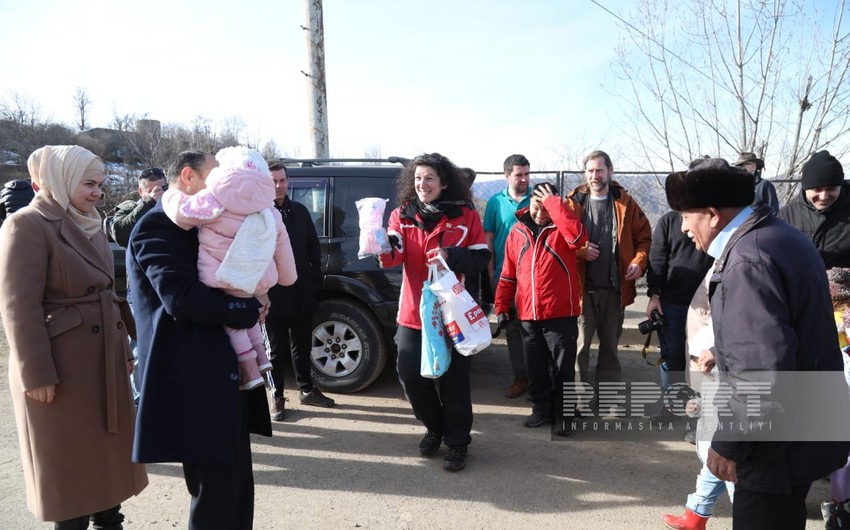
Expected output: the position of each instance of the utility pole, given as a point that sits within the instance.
(316, 92)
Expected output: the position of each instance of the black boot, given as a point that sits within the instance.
(78, 523)
(456, 459)
(109, 519)
(279, 409)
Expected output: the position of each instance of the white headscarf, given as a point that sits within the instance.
(32, 165)
(58, 170)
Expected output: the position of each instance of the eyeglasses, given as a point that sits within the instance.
(152, 172)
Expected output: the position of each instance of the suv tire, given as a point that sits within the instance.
(347, 350)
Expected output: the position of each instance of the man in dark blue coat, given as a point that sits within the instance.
(191, 410)
(774, 329)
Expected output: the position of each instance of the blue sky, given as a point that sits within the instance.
(475, 80)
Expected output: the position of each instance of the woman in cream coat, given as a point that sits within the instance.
(70, 358)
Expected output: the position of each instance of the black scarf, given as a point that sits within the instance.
(432, 212)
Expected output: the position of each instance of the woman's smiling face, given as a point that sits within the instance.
(88, 193)
(427, 183)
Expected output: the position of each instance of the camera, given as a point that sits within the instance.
(656, 322)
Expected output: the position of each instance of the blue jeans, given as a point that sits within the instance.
(135, 377)
(708, 487)
(135, 381)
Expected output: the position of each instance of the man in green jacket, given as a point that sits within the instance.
(152, 184)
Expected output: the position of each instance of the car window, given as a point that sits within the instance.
(347, 191)
(312, 193)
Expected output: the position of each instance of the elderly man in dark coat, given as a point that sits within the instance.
(191, 409)
(773, 324)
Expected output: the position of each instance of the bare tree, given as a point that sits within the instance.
(723, 76)
(270, 150)
(202, 135)
(148, 141)
(20, 110)
(373, 152)
(231, 132)
(22, 128)
(122, 122)
(82, 102)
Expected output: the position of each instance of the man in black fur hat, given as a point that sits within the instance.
(822, 209)
(772, 316)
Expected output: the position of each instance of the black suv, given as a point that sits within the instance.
(354, 324)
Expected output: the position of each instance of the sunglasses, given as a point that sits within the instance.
(427, 160)
(152, 172)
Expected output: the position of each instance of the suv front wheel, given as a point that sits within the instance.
(348, 351)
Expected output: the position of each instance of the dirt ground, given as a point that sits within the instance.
(357, 466)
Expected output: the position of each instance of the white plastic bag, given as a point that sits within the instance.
(373, 236)
(465, 321)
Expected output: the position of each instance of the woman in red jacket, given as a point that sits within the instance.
(436, 217)
(540, 277)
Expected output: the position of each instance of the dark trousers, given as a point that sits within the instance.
(447, 412)
(763, 511)
(291, 338)
(513, 337)
(516, 348)
(109, 519)
(550, 354)
(673, 345)
(223, 492)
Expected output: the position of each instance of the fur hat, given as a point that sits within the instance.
(822, 170)
(839, 284)
(747, 156)
(710, 182)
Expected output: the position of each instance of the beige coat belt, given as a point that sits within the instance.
(106, 299)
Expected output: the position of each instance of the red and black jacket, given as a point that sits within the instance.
(540, 274)
(459, 232)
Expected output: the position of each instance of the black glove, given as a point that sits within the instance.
(503, 319)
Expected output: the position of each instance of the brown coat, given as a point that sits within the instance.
(634, 235)
(64, 327)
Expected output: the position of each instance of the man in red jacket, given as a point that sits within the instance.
(541, 250)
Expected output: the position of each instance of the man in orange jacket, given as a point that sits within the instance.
(616, 254)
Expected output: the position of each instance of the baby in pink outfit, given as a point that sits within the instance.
(244, 247)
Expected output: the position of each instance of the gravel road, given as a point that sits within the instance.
(357, 466)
